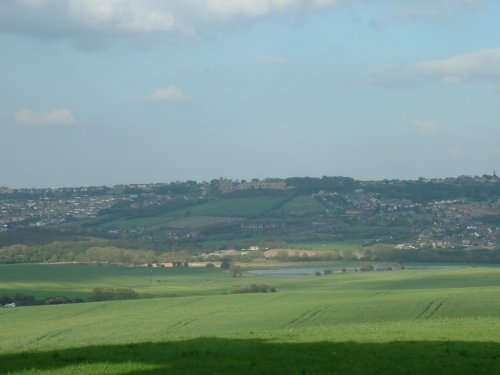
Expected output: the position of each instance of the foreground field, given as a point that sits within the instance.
(408, 321)
(78, 280)
(257, 356)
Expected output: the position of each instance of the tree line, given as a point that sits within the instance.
(27, 300)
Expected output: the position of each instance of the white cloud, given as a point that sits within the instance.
(259, 8)
(425, 126)
(482, 65)
(57, 17)
(121, 16)
(77, 18)
(169, 93)
(57, 117)
(246, 8)
(272, 60)
(477, 66)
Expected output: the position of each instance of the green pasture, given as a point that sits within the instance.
(44, 280)
(233, 207)
(147, 221)
(78, 280)
(336, 246)
(303, 205)
(407, 321)
(220, 208)
(197, 222)
(174, 222)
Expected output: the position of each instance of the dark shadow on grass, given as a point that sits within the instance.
(256, 356)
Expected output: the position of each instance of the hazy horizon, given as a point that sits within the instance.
(118, 91)
(234, 179)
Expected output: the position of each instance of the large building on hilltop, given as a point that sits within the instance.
(228, 185)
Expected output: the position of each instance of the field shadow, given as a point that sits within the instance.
(257, 356)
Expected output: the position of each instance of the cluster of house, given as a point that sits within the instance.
(179, 264)
(436, 224)
(44, 210)
(33, 207)
(227, 185)
(213, 259)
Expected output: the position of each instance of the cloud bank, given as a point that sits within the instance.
(54, 118)
(78, 18)
(477, 66)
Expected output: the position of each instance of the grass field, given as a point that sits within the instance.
(227, 207)
(337, 246)
(302, 205)
(197, 222)
(407, 321)
(77, 280)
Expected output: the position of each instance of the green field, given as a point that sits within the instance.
(303, 205)
(221, 208)
(196, 222)
(407, 321)
(78, 280)
(337, 246)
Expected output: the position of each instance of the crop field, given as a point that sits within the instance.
(407, 321)
(233, 207)
(196, 222)
(141, 221)
(77, 280)
(336, 246)
(228, 207)
(299, 206)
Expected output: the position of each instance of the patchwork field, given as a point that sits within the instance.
(196, 222)
(407, 321)
(221, 208)
(301, 205)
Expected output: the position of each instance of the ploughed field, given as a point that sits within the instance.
(405, 321)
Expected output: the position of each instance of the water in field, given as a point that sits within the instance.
(307, 271)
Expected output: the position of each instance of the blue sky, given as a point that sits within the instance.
(123, 91)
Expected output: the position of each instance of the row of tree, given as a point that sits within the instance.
(112, 294)
(88, 251)
(27, 300)
(255, 288)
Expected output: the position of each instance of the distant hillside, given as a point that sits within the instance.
(451, 213)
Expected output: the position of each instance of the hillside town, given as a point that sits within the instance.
(405, 213)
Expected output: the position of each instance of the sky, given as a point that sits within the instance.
(105, 92)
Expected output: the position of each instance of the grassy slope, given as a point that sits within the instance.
(224, 207)
(80, 279)
(77, 280)
(430, 321)
(302, 205)
(337, 246)
(196, 222)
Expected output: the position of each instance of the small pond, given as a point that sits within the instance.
(376, 267)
